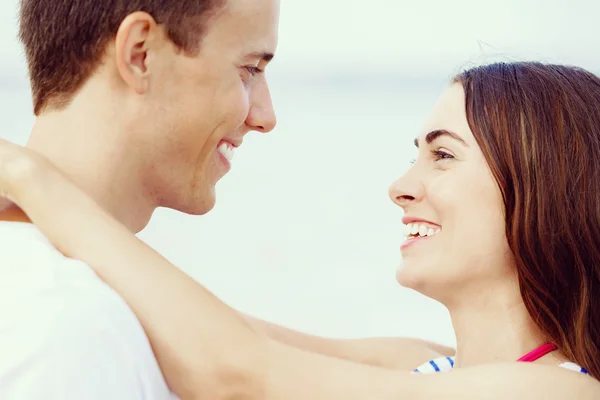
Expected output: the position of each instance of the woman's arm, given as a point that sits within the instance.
(305, 376)
(399, 353)
(196, 338)
(206, 349)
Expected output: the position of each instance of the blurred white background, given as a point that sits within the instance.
(303, 233)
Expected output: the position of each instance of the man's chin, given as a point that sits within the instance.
(192, 201)
(201, 204)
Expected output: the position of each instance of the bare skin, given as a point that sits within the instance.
(217, 354)
(400, 353)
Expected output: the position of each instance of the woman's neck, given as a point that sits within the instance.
(496, 327)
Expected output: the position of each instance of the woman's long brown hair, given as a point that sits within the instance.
(538, 126)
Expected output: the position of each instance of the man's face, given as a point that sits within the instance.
(201, 106)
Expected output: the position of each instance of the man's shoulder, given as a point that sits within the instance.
(76, 345)
(31, 269)
(61, 323)
(41, 286)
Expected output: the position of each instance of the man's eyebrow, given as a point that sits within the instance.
(433, 135)
(264, 56)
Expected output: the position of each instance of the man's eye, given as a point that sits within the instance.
(253, 70)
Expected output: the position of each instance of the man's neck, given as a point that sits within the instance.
(90, 148)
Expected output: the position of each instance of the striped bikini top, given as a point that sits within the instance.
(446, 364)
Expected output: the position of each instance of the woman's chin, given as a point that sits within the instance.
(420, 278)
(408, 277)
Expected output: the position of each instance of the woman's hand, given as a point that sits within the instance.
(19, 167)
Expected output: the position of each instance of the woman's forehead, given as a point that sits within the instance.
(449, 114)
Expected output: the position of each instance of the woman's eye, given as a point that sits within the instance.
(440, 155)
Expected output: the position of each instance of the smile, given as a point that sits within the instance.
(227, 150)
(420, 229)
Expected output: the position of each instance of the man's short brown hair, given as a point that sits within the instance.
(65, 39)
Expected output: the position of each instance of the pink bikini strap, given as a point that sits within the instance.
(538, 353)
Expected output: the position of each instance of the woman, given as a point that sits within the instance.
(502, 216)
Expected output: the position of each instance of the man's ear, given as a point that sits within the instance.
(137, 35)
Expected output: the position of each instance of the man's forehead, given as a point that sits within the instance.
(255, 22)
(253, 12)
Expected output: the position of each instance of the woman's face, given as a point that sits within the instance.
(454, 213)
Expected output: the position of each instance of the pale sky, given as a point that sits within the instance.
(303, 232)
(401, 35)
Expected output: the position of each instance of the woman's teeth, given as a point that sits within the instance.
(227, 150)
(416, 230)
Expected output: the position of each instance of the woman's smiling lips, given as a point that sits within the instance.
(417, 230)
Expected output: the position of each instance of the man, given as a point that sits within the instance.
(141, 110)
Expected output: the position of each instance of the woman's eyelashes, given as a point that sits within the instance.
(437, 155)
(441, 155)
